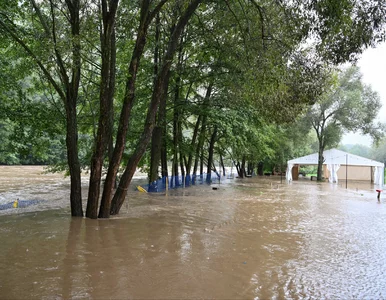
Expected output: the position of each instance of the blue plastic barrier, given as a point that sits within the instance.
(175, 182)
(21, 204)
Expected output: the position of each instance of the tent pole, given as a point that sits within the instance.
(281, 169)
(346, 168)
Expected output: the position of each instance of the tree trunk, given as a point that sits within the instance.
(202, 163)
(260, 168)
(158, 91)
(175, 136)
(72, 89)
(192, 146)
(182, 156)
(210, 156)
(319, 176)
(157, 137)
(107, 88)
(201, 139)
(238, 169)
(73, 161)
(176, 117)
(222, 165)
(127, 106)
(182, 167)
(242, 168)
(164, 158)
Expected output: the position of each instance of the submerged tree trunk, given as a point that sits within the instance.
(210, 155)
(192, 146)
(242, 168)
(182, 167)
(158, 91)
(72, 89)
(145, 18)
(73, 162)
(320, 162)
(199, 155)
(222, 165)
(175, 136)
(164, 157)
(107, 88)
(321, 140)
(157, 137)
(260, 168)
(176, 117)
(158, 142)
(238, 169)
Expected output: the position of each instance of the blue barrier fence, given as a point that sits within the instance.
(173, 182)
(21, 204)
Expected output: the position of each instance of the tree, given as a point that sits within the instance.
(63, 28)
(59, 46)
(123, 53)
(357, 149)
(349, 105)
(378, 152)
(342, 29)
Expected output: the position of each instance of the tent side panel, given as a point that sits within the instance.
(355, 173)
(325, 172)
(295, 172)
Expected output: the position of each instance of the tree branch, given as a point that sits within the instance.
(40, 16)
(30, 53)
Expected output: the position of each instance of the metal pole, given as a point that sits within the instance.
(281, 169)
(346, 168)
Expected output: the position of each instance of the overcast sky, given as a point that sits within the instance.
(373, 68)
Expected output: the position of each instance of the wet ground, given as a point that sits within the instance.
(250, 239)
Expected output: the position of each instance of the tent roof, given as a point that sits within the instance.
(336, 157)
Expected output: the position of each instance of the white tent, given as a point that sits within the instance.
(333, 159)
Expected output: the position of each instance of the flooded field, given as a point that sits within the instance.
(250, 239)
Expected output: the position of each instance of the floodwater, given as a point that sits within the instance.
(250, 239)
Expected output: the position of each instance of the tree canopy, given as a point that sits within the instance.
(348, 105)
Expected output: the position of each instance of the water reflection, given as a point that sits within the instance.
(252, 238)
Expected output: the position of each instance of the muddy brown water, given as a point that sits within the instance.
(251, 239)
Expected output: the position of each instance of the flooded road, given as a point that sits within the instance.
(251, 239)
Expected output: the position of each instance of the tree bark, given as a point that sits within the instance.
(238, 169)
(73, 160)
(181, 154)
(176, 117)
(72, 89)
(157, 137)
(319, 176)
(201, 139)
(145, 18)
(222, 165)
(158, 91)
(192, 146)
(321, 140)
(175, 131)
(242, 167)
(157, 140)
(107, 88)
(210, 155)
(164, 158)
